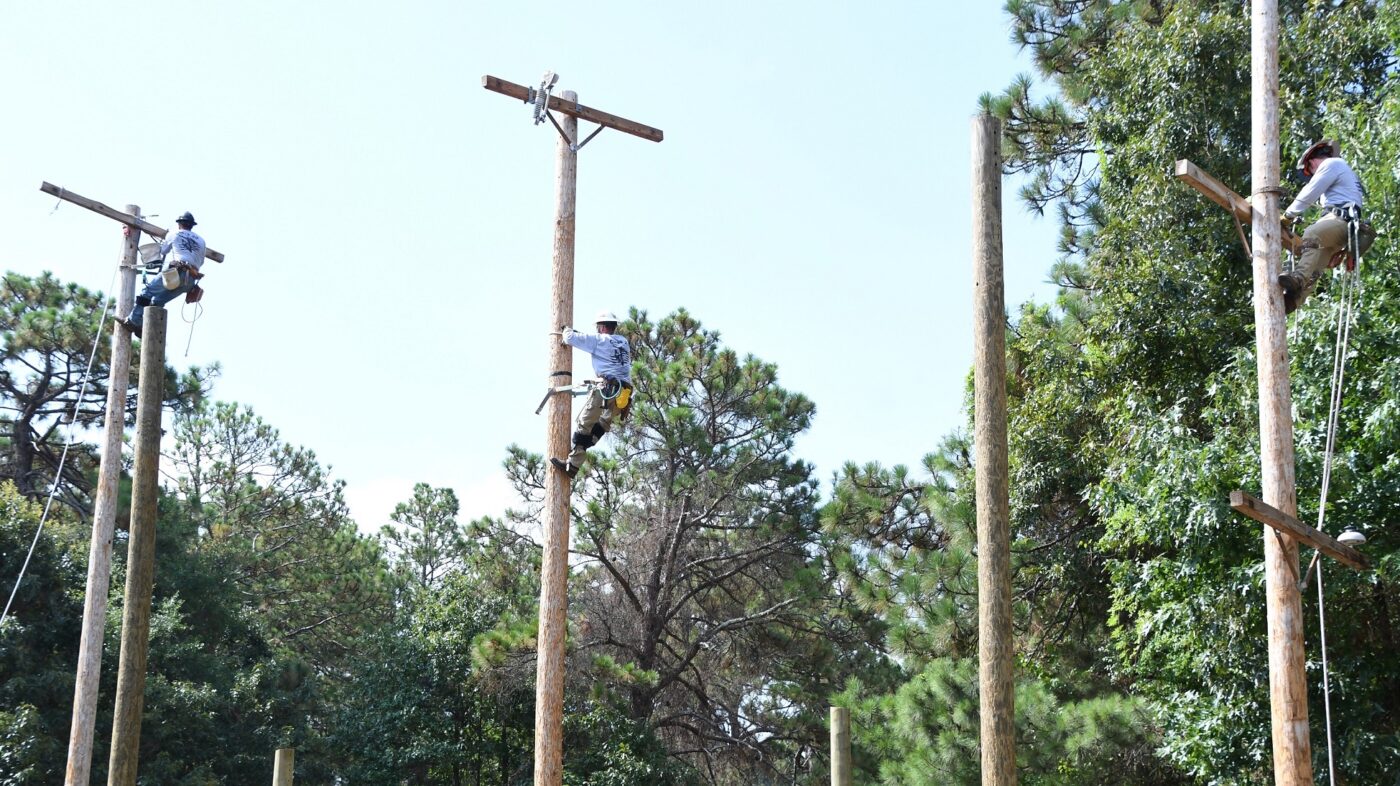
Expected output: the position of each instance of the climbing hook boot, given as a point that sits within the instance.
(564, 467)
(1293, 285)
(1291, 282)
(132, 326)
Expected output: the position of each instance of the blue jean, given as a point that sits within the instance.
(156, 292)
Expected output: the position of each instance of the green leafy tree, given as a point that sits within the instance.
(278, 526)
(1134, 401)
(700, 597)
(47, 335)
(425, 538)
(37, 659)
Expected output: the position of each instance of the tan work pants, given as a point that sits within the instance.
(1322, 241)
(594, 420)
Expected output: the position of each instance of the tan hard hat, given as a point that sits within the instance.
(1333, 150)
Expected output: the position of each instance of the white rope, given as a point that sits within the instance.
(1346, 309)
(198, 312)
(58, 474)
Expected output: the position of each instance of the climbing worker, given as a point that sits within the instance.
(1339, 233)
(180, 277)
(610, 396)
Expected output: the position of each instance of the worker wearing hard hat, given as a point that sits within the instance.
(612, 362)
(181, 277)
(1340, 232)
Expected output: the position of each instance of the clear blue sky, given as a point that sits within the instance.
(388, 222)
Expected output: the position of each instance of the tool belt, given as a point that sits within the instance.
(617, 391)
(1348, 212)
(186, 267)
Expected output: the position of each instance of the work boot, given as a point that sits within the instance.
(132, 326)
(564, 467)
(1293, 285)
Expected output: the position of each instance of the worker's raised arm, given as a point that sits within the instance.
(1322, 180)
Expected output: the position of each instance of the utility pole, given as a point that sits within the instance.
(282, 763)
(141, 557)
(995, 652)
(1288, 690)
(105, 507)
(103, 522)
(554, 569)
(840, 746)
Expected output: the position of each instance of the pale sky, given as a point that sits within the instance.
(388, 223)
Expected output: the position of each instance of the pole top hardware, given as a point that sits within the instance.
(572, 108)
(540, 97)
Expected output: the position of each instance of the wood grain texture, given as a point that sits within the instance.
(283, 764)
(554, 580)
(80, 732)
(1288, 690)
(572, 108)
(116, 215)
(1223, 195)
(1291, 526)
(995, 650)
(141, 556)
(840, 746)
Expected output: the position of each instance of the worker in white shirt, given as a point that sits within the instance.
(188, 249)
(1340, 231)
(611, 396)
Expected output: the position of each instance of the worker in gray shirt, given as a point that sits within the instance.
(188, 249)
(1338, 233)
(610, 396)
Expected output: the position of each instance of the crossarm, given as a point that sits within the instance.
(1267, 514)
(572, 109)
(1222, 195)
(116, 215)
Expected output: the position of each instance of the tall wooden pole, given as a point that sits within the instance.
(995, 653)
(1288, 697)
(103, 522)
(282, 766)
(554, 580)
(840, 746)
(140, 562)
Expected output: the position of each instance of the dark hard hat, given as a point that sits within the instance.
(1327, 147)
(186, 218)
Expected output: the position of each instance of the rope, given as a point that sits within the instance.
(198, 312)
(63, 458)
(1346, 309)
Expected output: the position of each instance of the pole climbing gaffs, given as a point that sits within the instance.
(549, 670)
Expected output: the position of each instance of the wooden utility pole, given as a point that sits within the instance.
(282, 766)
(105, 511)
(1288, 690)
(554, 569)
(140, 564)
(995, 653)
(103, 523)
(840, 746)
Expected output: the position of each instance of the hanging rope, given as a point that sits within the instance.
(63, 458)
(198, 312)
(1346, 310)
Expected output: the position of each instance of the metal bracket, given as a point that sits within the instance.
(587, 139)
(560, 129)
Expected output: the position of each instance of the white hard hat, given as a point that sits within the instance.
(607, 316)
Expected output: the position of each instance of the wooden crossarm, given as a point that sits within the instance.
(1267, 514)
(580, 111)
(1222, 195)
(116, 215)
